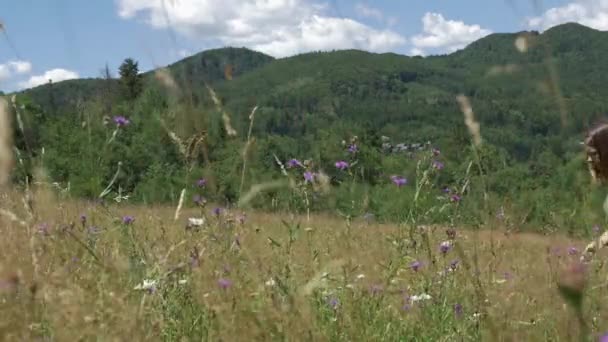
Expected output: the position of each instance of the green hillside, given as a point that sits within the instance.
(533, 108)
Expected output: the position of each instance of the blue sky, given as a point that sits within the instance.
(64, 39)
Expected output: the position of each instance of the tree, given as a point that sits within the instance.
(130, 79)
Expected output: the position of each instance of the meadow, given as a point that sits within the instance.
(163, 209)
(84, 271)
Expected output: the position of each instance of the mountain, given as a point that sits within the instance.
(533, 104)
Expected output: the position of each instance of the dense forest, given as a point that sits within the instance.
(351, 132)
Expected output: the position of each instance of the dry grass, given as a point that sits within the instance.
(85, 291)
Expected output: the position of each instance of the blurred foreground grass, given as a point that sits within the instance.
(267, 277)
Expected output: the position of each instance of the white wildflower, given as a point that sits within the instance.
(146, 285)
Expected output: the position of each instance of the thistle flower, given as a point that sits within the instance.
(121, 121)
(201, 183)
(455, 198)
(44, 229)
(128, 219)
(416, 265)
(309, 177)
(217, 211)
(437, 165)
(458, 310)
(342, 165)
(353, 148)
(333, 303)
(199, 200)
(399, 181)
(445, 247)
(294, 163)
(454, 264)
(224, 283)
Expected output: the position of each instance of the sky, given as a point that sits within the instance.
(65, 39)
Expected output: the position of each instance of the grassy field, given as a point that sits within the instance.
(70, 272)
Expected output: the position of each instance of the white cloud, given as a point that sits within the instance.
(56, 75)
(21, 67)
(368, 12)
(12, 68)
(276, 27)
(592, 13)
(445, 35)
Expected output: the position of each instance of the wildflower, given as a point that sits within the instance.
(201, 183)
(604, 338)
(333, 303)
(437, 165)
(217, 211)
(454, 264)
(147, 284)
(572, 283)
(572, 251)
(309, 176)
(451, 233)
(353, 148)
(455, 198)
(128, 219)
(199, 200)
(417, 298)
(294, 163)
(416, 265)
(342, 165)
(399, 181)
(83, 219)
(445, 246)
(458, 310)
(44, 229)
(446, 190)
(224, 283)
(121, 121)
(375, 289)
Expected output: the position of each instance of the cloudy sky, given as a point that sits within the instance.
(63, 39)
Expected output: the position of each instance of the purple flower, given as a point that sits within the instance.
(217, 211)
(342, 165)
(201, 183)
(572, 251)
(333, 303)
(294, 163)
(451, 233)
(446, 190)
(128, 219)
(437, 165)
(83, 219)
(416, 265)
(375, 289)
(353, 148)
(224, 283)
(44, 229)
(399, 181)
(309, 176)
(458, 310)
(121, 121)
(444, 247)
(455, 198)
(199, 200)
(454, 264)
(603, 338)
